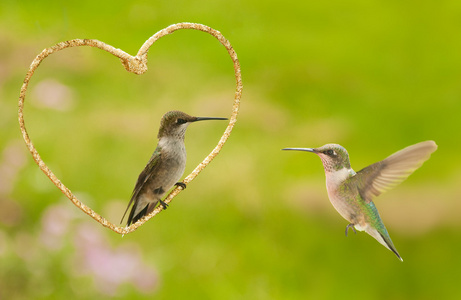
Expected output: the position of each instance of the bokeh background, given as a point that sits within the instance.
(374, 76)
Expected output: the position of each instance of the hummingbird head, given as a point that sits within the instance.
(174, 124)
(334, 157)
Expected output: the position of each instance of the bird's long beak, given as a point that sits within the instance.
(302, 149)
(207, 118)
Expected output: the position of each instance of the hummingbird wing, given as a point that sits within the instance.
(145, 175)
(384, 175)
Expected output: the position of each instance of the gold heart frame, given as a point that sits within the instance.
(138, 65)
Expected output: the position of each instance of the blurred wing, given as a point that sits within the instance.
(384, 175)
(145, 175)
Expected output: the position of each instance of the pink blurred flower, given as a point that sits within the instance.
(52, 94)
(55, 225)
(111, 267)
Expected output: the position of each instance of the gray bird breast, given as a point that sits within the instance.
(173, 163)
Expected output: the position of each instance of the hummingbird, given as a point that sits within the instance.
(165, 167)
(351, 192)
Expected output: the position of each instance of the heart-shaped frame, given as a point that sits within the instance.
(138, 65)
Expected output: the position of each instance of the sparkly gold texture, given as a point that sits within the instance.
(138, 65)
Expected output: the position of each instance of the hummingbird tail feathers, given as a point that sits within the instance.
(135, 216)
(383, 239)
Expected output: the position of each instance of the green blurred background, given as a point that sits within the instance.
(374, 76)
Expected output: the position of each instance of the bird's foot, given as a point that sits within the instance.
(165, 206)
(181, 184)
(350, 226)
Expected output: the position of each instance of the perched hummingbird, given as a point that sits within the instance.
(165, 167)
(351, 193)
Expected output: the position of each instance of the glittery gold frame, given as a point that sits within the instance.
(138, 65)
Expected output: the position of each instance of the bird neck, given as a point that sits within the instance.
(336, 177)
(172, 144)
(177, 132)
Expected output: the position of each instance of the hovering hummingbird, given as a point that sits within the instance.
(351, 193)
(165, 167)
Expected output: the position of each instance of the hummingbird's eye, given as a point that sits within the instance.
(180, 121)
(331, 152)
